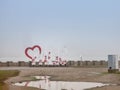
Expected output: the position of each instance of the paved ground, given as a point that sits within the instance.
(66, 74)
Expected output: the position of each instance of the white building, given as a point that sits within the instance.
(113, 62)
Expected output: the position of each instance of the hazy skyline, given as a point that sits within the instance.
(88, 28)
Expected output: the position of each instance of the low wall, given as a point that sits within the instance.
(101, 63)
(87, 63)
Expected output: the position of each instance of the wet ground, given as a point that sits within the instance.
(43, 82)
(66, 74)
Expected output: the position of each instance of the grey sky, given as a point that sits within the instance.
(90, 28)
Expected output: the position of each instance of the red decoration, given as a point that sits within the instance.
(49, 55)
(49, 52)
(45, 60)
(60, 59)
(56, 57)
(32, 48)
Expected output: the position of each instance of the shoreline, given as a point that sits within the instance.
(66, 74)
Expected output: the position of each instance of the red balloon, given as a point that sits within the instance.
(32, 48)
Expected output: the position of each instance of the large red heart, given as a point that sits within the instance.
(31, 49)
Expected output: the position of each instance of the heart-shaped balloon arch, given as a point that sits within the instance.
(32, 49)
(39, 50)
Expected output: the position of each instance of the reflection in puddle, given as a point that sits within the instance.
(45, 83)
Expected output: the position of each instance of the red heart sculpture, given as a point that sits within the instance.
(32, 48)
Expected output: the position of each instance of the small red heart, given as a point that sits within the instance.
(32, 48)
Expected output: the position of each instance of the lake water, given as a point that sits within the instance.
(43, 82)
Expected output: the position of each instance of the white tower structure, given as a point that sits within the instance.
(113, 62)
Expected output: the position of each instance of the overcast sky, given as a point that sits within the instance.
(87, 28)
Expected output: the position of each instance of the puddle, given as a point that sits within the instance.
(45, 83)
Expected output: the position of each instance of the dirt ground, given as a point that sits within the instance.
(65, 74)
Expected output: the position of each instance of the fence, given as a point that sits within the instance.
(101, 63)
